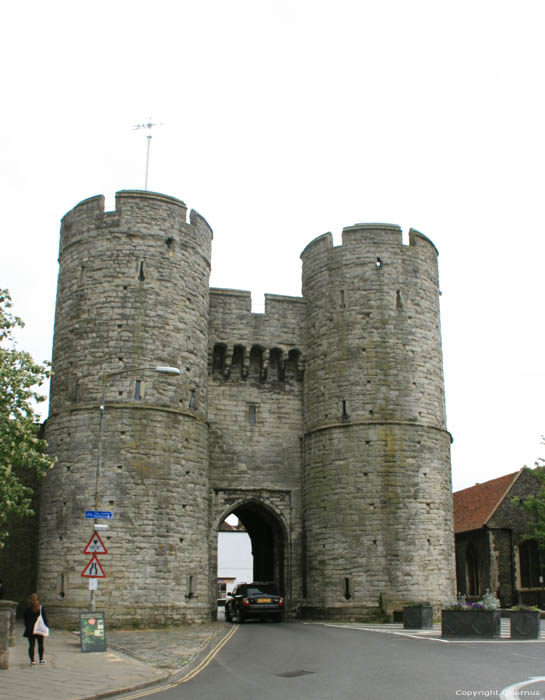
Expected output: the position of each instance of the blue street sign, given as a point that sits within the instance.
(99, 514)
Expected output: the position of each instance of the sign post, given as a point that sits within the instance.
(95, 545)
(93, 569)
(98, 515)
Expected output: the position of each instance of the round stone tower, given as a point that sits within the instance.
(377, 487)
(129, 433)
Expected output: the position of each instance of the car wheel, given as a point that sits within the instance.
(227, 614)
(239, 617)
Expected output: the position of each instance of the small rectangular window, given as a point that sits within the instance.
(252, 415)
(62, 586)
(347, 588)
(191, 583)
(192, 399)
(138, 390)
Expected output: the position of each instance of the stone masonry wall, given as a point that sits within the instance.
(255, 415)
(377, 496)
(132, 295)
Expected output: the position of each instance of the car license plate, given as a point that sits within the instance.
(263, 600)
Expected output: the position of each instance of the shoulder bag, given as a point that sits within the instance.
(40, 628)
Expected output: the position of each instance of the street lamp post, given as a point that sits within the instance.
(161, 369)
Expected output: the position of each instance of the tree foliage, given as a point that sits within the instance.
(535, 506)
(21, 449)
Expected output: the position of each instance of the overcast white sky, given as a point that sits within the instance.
(285, 119)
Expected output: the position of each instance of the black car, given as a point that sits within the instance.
(254, 600)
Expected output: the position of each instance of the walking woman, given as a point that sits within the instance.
(31, 614)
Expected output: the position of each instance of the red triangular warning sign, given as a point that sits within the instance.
(93, 569)
(95, 545)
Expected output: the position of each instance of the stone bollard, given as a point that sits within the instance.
(7, 630)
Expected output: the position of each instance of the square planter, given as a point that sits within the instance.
(417, 617)
(525, 624)
(471, 623)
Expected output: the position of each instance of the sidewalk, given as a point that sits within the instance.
(134, 659)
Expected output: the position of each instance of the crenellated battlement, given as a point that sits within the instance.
(136, 212)
(318, 245)
(243, 339)
(376, 235)
(230, 300)
(243, 344)
(146, 197)
(240, 300)
(95, 206)
(418, 239)
(372, 235)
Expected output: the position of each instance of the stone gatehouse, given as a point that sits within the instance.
(320, 423)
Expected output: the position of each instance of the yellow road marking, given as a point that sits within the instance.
(190, 674)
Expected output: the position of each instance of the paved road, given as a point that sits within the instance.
(298, 661)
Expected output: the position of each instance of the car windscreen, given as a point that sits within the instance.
(266, 588)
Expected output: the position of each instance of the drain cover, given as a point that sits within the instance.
(293, 674)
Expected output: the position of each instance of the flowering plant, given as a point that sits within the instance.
(487, 602)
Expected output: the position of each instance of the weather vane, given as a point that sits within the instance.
(148, 125)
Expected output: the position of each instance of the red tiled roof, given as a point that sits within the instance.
(474, 506)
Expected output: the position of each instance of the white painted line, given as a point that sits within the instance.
(428, 634)
(512, 691)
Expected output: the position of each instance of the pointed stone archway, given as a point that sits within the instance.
(269, 537)
(268, 541)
